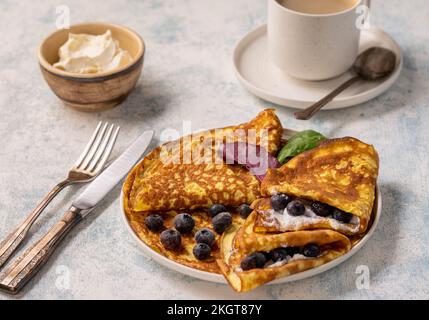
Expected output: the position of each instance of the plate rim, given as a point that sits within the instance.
(337, 103)
(218, 278)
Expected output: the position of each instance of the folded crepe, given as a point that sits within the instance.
(341, 173)
(183, 175)
(239, 242)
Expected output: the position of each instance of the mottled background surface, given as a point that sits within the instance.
(188, 76)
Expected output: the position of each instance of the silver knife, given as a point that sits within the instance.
(27, 265)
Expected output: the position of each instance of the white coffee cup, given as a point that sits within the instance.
(312, 46)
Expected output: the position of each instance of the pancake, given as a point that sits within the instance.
(339, 172)
(169, 188)
(239, 242)
(166, 180)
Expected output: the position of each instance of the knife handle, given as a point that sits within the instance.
(9, 245)
(33, 259)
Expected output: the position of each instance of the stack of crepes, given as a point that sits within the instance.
(341, 173)
(189, 175)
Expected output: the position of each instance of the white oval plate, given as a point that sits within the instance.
(262, 78)
(213, 277)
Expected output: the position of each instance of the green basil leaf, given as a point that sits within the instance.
(300, 142)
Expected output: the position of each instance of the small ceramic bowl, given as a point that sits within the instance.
(92, 92)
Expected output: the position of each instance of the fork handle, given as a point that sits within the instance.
(33, 259)
(9, 245)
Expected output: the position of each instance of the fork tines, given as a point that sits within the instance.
(98, 148)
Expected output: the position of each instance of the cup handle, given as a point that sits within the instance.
(367, 3)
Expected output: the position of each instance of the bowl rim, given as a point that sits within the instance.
(51, 69)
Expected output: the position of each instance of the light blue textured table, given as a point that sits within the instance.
(188, 76)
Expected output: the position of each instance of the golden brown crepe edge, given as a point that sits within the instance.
(272, 184)
(244, 281)
(266, 118)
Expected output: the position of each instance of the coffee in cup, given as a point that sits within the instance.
(318, 6)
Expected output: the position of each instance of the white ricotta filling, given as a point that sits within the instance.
(289, 222)
(288, 259)
(296, 256)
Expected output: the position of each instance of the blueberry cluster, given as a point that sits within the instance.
(171, 238)
(295, 207)
(221, 218)
(221, 221)
(258, 260)
(205, 239)
(184, 224)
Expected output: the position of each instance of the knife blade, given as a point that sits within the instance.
(110, 177)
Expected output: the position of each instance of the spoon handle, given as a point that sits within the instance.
(306, 114)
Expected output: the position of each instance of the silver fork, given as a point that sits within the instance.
(90, 163)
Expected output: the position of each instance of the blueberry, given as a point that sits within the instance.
(184, 223)
(171, 239)
(291, 251)
(216, 209)
(321, 209)
(222, 221)
(154, 222)
(202, 251)
(255, 260)
(279, 254)
(311, 250)
(268, 255)
(279, 201)
(342, 216)
(244, 210)
(205, 236)
(296, 208)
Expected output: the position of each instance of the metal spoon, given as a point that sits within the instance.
(372, 64)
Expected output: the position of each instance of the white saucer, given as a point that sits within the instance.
(262, 78)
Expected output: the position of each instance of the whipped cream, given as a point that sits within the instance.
(85, 54)
(288, 222)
